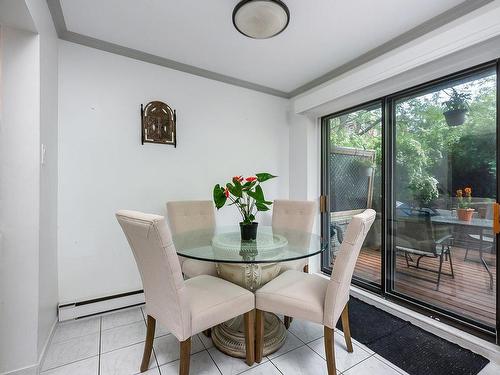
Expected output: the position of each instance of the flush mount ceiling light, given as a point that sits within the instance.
(261, 19)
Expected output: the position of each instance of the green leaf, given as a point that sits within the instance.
(261, 177)
(261, 206)
(219, 196)
(248, 185)
(259, 194)
(235, 189)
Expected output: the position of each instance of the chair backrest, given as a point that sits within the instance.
(184, 216)
(337, 294)
(164, 289)
(293, 215)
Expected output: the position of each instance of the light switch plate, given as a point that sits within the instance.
(42, 154)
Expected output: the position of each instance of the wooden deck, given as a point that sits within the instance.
(467, 294)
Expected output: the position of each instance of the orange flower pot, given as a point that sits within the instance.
(465, 214)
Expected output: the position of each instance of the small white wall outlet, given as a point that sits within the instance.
(42, 154)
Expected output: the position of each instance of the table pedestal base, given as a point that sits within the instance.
(229, 337)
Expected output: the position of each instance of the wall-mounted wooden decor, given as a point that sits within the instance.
(158, 124)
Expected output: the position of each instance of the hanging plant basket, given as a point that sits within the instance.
(455, 117)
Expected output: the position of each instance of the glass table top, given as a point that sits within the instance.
(224, 245)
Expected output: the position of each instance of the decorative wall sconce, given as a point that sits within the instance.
(158, 122)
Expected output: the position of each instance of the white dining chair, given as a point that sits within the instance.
(291, 216)
(184, 307)
(186, 216)
(314, 298)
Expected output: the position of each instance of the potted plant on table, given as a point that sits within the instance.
(247, 195)
(464, 210)
(456, 108)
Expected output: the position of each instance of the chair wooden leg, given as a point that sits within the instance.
(208, 332)
(330, 350)
(148, 345)
(287, 321)
(347, 329)
(259, 335)
(250, 337)
(185, 357)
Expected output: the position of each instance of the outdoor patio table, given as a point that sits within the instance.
(478, 224)
(250, 264)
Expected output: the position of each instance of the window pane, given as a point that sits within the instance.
(355, 182)
(444, 167)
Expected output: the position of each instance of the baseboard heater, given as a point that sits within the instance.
(101, 305)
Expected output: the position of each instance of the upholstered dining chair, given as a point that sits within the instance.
(314, 298)
(291, 216)
(184, 216)
(184, 307)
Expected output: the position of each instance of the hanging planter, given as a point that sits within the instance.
(455, 117)
(456, 108)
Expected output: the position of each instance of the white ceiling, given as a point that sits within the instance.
(322, 34)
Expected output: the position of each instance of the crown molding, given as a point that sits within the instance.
(434, 23)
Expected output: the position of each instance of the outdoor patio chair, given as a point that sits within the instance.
(415, 236)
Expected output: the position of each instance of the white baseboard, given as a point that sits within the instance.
(35, 369)
(81, 309)
(43, 353)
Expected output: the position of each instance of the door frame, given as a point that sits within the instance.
(385, 288)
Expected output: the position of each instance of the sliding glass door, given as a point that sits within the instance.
(426, 160)
(444, 184)
(354, 183)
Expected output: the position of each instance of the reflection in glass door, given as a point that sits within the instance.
(353, 160)
(444, 166)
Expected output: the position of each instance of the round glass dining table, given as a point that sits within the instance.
(249, 264)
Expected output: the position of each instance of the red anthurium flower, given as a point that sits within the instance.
(226, 193)
(238, 178)
(251, 179)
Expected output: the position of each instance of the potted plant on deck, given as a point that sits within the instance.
(464, 210)
(456, 108)
(248, 197)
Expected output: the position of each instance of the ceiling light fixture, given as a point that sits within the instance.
(261, 19)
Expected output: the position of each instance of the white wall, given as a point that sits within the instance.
(28, 191)
(222, 130)
(48, 288)
(19, 199)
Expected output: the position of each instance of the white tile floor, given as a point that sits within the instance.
(112, 344)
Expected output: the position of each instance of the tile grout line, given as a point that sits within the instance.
(213, 360)
(347, 369)
(69, 363)
(99, 352)
(276, 367)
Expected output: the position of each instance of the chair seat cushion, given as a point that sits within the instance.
(214, 300)
(193, 267)
(296, 294)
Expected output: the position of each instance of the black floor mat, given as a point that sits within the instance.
(409, 347)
